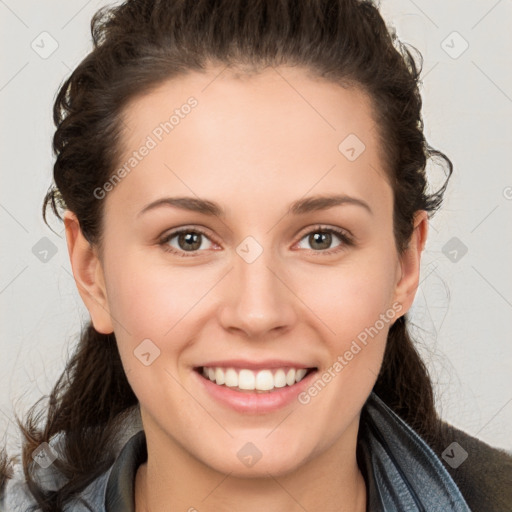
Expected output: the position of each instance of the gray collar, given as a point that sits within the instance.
(401, 471)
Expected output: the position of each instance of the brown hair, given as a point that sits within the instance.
(141, 43)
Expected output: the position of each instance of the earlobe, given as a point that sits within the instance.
(88, 274)
(410, 261)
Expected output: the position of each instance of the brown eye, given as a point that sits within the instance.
(320, 240)
(185, 241)
(189, 241)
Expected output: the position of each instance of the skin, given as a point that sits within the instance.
(254, 145)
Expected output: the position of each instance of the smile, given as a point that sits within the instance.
(263, 380)
(253, 388)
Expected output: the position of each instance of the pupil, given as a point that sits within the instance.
(323, 238)
(191, 240)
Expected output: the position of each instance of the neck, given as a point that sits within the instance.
(331, 481)
(271, 496)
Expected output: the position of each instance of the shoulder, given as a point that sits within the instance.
(16, 495)
(483, 473)
(451, 462)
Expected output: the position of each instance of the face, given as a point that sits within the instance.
(263, 277)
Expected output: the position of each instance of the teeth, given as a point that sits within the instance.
(262, 380)
(280, 379)
(299, 374)
(230, 378)
(290, 377)
(219, 376)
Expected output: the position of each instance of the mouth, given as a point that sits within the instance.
(260, 381)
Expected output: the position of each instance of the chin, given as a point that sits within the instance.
(249, 461)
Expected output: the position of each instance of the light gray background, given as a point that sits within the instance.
(462, 312)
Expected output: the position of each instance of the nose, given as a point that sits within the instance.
(259, 300)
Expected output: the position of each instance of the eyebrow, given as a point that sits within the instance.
(302, 206)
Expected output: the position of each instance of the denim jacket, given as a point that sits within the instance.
(402, 473)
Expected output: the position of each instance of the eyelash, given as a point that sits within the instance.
(345, 238)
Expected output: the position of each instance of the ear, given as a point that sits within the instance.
(410, 260)
(88, 274)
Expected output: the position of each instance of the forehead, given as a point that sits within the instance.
(280, 129)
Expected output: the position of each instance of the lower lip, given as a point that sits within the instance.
(255, 403)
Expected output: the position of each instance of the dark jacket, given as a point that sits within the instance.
(485, 476)
(402, 473)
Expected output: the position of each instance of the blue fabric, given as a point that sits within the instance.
(401, 471)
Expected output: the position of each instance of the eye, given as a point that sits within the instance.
(186, 240)
(321, 239)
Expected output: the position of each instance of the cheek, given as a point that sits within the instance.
(356, 311)
(152, 306)
(164, 304)
(353, 296)
(150, 300)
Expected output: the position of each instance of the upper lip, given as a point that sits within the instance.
(255, 365)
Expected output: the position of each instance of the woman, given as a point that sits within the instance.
(244, 194)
